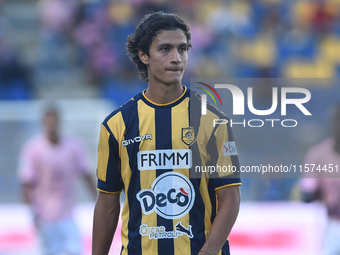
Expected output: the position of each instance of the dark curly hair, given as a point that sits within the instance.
(149, 27)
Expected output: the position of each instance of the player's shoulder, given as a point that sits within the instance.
(35, 141)
(196, 105)
(322, 147)
(129, 106)
(33, 145)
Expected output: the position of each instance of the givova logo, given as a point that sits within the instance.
(171, 196)
(137, 139)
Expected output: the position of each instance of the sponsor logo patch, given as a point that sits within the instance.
(229, 149)
(159, 232)
(137, 139)
(171, 196)
(164, 159)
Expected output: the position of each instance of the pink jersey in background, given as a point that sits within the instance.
(323, 154)
(53, 170)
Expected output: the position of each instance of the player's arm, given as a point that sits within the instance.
(106, 214)
(90, 183)
(228, 208)
(110, 185)
(27, 174)
(27, 190)
(83, 168)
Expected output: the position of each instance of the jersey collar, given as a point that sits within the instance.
(170, 104)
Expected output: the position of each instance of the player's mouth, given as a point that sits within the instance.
(174, 69)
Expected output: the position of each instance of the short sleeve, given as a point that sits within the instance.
(27, 171)
(224, 156)
(108, 165)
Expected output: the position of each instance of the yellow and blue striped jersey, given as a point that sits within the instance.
(147, 150)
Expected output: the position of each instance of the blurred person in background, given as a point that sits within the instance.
(49, 167)
(326, 189)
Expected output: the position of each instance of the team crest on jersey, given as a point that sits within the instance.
(188, 135)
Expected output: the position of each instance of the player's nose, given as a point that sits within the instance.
(175, 57)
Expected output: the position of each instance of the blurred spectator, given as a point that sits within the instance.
(55, 53)
(267, 34)
(326, 189)
(15, 80)
(57, 15)
(50, 164)
(233, 38)
(323, 17)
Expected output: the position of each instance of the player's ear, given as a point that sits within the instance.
(143, 57)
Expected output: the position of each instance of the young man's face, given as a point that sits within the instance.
(168, 56)
(51, 123)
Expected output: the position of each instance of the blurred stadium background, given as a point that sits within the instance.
(73, 52)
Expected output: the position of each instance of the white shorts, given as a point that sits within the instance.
(60, 237)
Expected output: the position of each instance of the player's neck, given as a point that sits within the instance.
(53, 138)
(163, 94)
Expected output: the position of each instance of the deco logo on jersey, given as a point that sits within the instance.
(164, 159)
(171, 196)
(188, 135)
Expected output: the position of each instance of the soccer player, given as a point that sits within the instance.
(326, 155)
(146, 148)
(50, 163)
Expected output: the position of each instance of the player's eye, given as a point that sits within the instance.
(182, 49)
